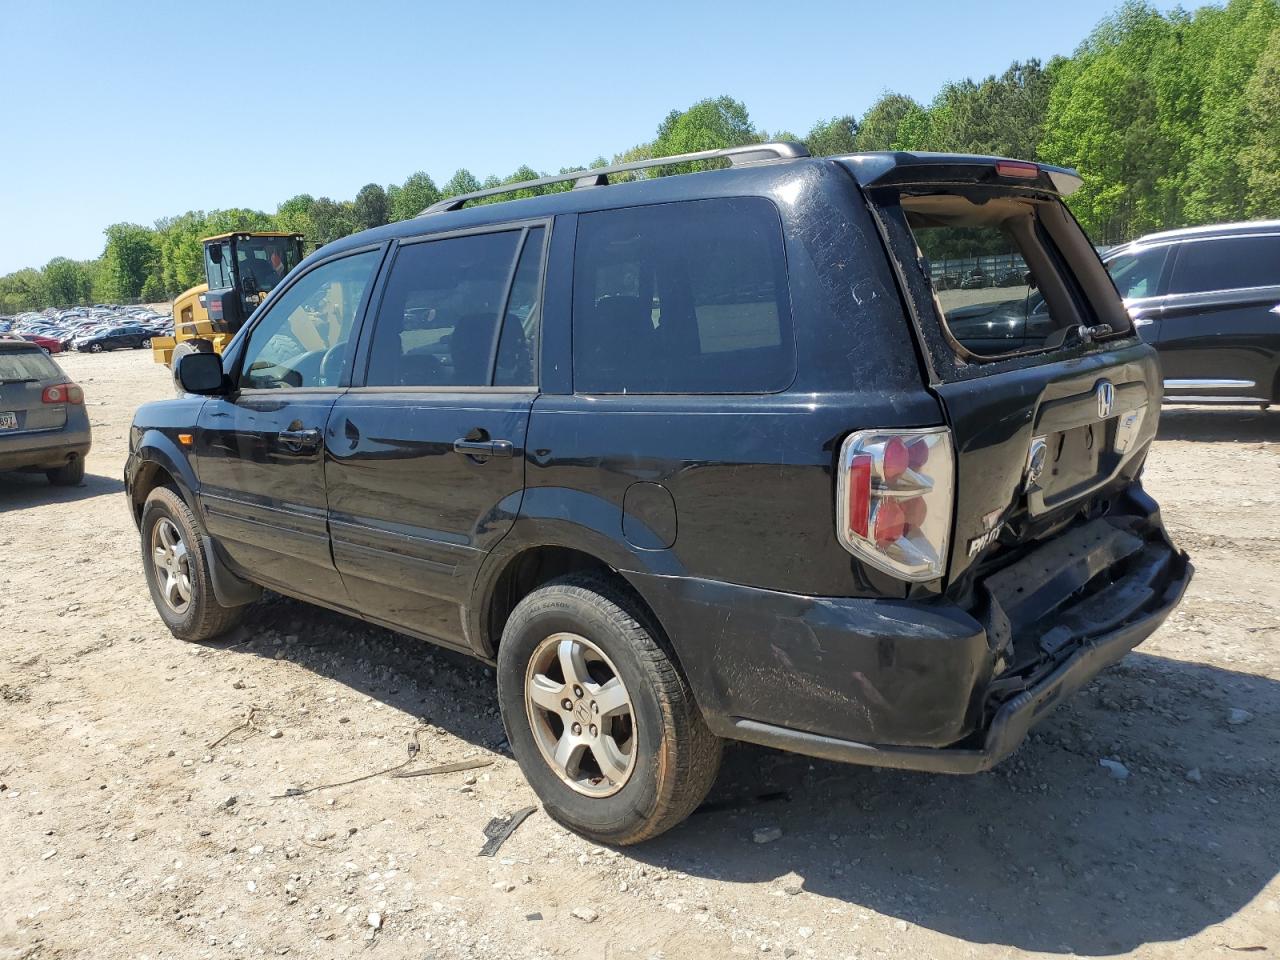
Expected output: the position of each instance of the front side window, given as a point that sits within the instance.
(302, 339)
(217, 265)
(1227, 263)
(437, 325)
(1137, 274)
(687, 297)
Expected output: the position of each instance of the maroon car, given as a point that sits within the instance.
(49, 344)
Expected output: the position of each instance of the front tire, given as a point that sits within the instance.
(95, 348)
(174, 560)
(601, 720)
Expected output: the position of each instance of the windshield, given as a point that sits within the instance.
(266, 259)
(25, 364)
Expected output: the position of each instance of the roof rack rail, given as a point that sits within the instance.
(599, 177)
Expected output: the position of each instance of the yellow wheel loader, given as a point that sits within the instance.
(240, 270)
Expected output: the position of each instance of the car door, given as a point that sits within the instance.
(425, 464)
(259, 450)
(1218, 329)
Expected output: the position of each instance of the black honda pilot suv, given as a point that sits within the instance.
(690, 457)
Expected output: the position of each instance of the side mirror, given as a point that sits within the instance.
(215, 253)
(199, 373)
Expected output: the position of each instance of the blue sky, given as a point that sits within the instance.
(132, 111)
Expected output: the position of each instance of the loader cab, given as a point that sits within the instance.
(241, 270)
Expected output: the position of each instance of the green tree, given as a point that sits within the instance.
(879, 127)
(461, 182)
(829, 138)
(1261, 155)
(371, 207)
(129, 259)
(66, 282)
(23, 290)
(417, 193)
(1217, 176)
(711, 124)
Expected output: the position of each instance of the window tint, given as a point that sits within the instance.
(438, 321)
(1138, 274)
(294, 344)
(686, 297)
(1227, 263)
(518, 348)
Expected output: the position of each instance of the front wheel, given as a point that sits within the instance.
(603, 724)
(177, 573)
(95, 348)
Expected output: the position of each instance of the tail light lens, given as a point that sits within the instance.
(63, 393)
(894, 499)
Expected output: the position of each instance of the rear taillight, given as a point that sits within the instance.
(894, 499)
(63, 393)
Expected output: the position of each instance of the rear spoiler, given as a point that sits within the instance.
(898, 169)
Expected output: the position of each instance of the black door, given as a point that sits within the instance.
(425, 468)
(1218, 331)
(259, 451)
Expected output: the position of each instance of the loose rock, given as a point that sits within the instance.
(766, 834)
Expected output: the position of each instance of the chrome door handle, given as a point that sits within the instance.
(300, 441)
(483, 448)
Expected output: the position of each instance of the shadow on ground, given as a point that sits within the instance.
(1226, 424)
(1047, 853)
(19, 490)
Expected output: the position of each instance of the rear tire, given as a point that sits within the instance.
(174, 560)
(663, 757)
(72, 475)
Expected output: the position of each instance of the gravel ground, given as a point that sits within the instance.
(124, 833)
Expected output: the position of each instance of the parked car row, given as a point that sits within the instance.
(89, 329)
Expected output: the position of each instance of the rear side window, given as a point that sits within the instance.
(437, 325)
(687, 297)
(25, 364)
(1227, 263)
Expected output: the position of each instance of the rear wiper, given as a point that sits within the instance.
(20, 380)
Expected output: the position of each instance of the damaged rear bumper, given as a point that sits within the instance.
(926, 686)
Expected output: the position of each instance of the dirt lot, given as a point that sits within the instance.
(124, 834)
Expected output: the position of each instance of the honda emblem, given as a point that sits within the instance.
(1106, 398)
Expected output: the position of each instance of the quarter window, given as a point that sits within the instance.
(1227, 263)
(302, 340)
(437, 325)
(687, 297)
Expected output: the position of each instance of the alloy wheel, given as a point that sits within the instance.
(172, 563)
(581, 715)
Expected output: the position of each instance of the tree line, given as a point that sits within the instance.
(1173, 119)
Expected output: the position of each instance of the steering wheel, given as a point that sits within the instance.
(331, 364)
